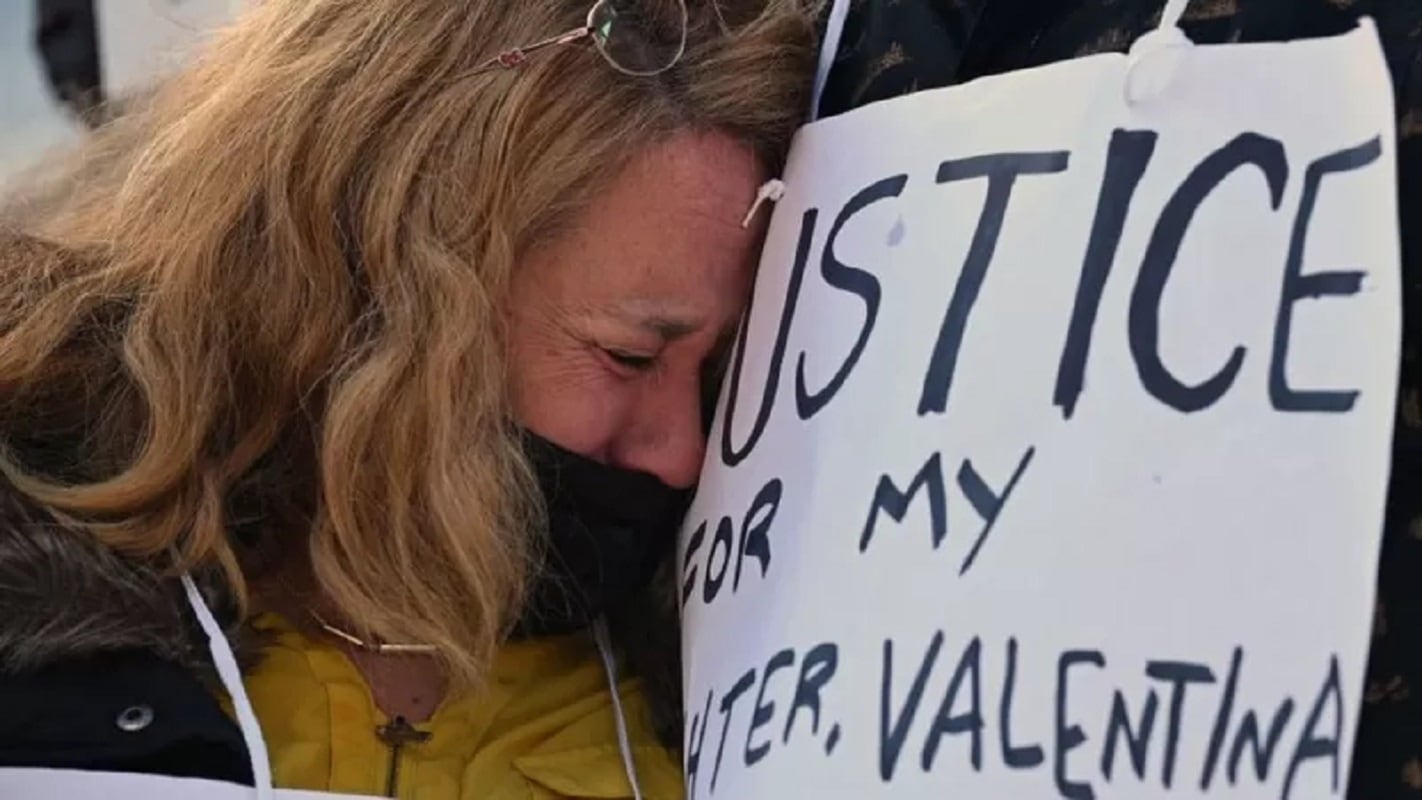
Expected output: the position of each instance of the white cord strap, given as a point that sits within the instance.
(226, 663)
(829, 48)
(609, 666)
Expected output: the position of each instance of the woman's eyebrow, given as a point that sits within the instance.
(662, 319)
(670, 329)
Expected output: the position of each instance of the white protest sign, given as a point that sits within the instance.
(1053, 456)
(62, 784)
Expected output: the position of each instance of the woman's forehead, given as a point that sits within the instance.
(662, 245)
(694, 175)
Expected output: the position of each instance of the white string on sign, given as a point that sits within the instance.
(834, 31)
(1174, 11)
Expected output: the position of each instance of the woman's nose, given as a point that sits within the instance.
(665, 437)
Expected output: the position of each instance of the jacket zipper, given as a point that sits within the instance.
(396, 734)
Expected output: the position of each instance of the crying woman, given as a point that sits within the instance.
(350, 393)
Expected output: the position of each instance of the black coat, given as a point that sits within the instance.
(101, 664)
(127, 711)
(893, 47)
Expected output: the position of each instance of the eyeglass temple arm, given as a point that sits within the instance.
(514, 57)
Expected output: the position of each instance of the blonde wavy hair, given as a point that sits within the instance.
(260, 315)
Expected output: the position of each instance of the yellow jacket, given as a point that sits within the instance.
(543, 729)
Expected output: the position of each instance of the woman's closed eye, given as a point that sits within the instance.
(628, 360)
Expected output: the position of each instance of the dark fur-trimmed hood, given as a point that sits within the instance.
(64, 596)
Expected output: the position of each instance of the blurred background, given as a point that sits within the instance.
(93, 49)
(31, 118)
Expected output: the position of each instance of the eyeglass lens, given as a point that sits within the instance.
(639, 37)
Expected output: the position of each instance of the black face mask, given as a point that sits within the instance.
(609, 529)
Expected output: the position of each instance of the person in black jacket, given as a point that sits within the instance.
(67, 41)
(893, 48)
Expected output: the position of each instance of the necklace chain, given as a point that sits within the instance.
(379, 648)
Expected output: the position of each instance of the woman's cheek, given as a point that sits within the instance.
(582, 407)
